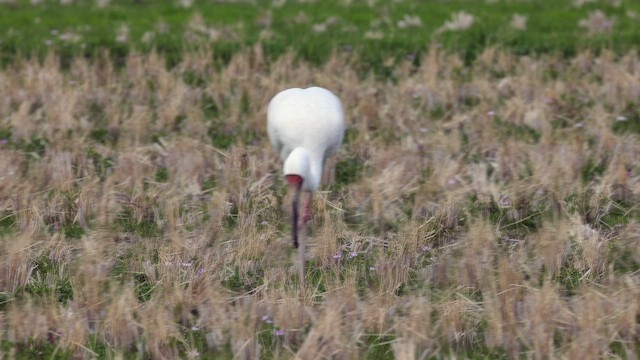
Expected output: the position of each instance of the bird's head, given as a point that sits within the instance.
(297, 170)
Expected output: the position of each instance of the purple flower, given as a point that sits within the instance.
(426, 248)
(3, 141)
(352, 255)
(337, 256)
(491, 113)
(266, 319)
(201, 271)
(505, 201)
(279, 332)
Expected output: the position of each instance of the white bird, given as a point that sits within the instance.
(305, 127)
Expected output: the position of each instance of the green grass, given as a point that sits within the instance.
(49, 280)
(348, 171)
(42, 350)
(146, 228)
(7, 223)
(551, 27)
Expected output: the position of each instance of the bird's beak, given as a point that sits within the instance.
(295, 184)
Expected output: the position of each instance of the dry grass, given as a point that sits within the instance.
(476, 211)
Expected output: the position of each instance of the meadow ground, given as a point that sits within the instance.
(481, 208)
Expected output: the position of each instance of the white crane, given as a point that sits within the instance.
(305, 127)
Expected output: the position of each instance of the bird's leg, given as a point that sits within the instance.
(304, 219)
(328, 173)
(306, 208)
(295, 184)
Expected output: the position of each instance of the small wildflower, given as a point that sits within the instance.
(504, 201)
(266, 34)
(162, 27)
(194, 328)
(337, 256)
(426, 248)
(69, 37)
(48, 42)
(267, 319)
(424, 129)
(186, 3)
(264, 222)
(187, 264)
(192, 354)
(352, 255)
(4, 141)
(301, 18)
(332, 21)
(597, 23)
(409, 21)
(279, 332)
(122, 35)
(147, 37)
(459, 21)
(452, 181)
(201, 271)
(579, 124)
(621, 118)
(372, 268)
(320, 28)
(518, 22)
(491, 113)
(580, 3)
(373, 35)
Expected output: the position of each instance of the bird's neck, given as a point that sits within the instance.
(316, 173)
(307, 164)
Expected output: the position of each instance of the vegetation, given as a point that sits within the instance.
(482, 206)
(376, 30)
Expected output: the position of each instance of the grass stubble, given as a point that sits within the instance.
(477, 211)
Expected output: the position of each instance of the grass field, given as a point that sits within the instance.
(314, 29)
(485, 202)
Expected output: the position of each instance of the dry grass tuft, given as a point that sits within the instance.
(485, 209)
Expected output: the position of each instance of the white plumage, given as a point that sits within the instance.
(305, 127)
